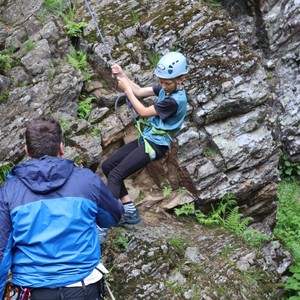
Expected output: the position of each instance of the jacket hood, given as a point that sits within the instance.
(45, 174)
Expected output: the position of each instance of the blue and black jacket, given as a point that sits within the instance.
(48, 215)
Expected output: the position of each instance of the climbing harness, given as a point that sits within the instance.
(16, 293)
(138, 124)
(25, 294)
(148, 148)
(99, 31)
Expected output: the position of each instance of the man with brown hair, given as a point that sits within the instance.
(49, 212)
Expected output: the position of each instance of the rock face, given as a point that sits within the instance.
(168, 259)
(242, 105)
(271, 28)
(243, 88)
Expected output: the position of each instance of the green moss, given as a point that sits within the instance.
(162, 19)
(4, 96)
(147, 258)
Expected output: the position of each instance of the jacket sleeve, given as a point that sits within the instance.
(110, 209)
(5, 242)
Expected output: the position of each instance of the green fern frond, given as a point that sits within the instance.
(233, 221)
(227, 202)
(84, 109)
(74, 29)
(167, 191)
(187, 209)
(208, 220)
(4, 61)
(78, 60)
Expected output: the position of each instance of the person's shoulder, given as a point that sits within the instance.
(83, 171)
(86, 174)
(156, 89)
(11, 184)
(180, 95)
(169, 100)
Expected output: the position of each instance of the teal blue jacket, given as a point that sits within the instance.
(171, 124)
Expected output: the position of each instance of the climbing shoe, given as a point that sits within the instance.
(130, 219)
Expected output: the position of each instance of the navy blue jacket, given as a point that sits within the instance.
(48, 215)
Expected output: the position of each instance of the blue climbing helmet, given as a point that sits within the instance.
(171, 65)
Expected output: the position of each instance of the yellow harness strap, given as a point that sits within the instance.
(148, 148)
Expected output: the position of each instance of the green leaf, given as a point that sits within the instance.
(187, 209)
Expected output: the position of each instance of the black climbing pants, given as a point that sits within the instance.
(125, 161)
(95, 291)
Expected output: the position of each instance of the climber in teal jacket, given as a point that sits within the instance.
(160, 120)
(49, 210)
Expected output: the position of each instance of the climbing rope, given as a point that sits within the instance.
(122, 95)
(110, 292)
(133, 112)
(99, 31)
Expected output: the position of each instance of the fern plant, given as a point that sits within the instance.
(212, 219)
(134, 16)
(54, 6)
(78, 60)
(4, 62)
(84, 108)
(153, 57)
(66, 10)
(73, 28)
(167, 191)
(120, 242)
(234, 223)
(215, 217)
(4, 96)
(29, 45)
(292, 285)
(187, 209)
(65, 125)
(288, 229)
(4, 170)
(217, 214)
(225, 214)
